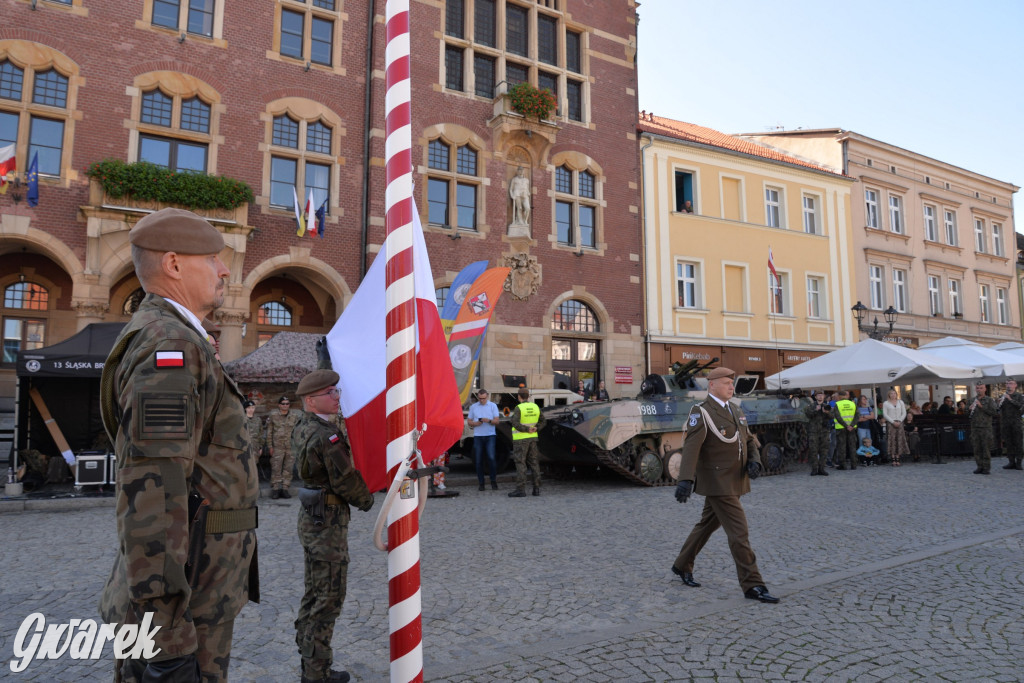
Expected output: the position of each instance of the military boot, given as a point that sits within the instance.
(518, 493)
(333, 676)
(536, 490)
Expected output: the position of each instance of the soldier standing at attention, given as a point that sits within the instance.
(186, 482)
(330, 484)
(719, 459)
(279, 442)
(819, 429)
(526, 421)
(1011, 404)
(255, 428)
(981, 412)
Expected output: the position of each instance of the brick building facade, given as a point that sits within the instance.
(275, 94)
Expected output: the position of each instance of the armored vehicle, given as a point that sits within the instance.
(641, 439)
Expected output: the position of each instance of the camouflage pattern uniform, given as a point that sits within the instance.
(325, 462)
(178, 426)
(1010, 408)
(279, 438)
(981, 432)
(819, 433)
(525, 452)
(255, 428)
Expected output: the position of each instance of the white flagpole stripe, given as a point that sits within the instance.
(404, 561)
(397, 449)
(403, 613)
(397, 392)
(398, 189)
(404, 342)
(409, 666)
(396, 96)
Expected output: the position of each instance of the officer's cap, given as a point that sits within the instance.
(317, 380)
(176, 230)
(718, 373)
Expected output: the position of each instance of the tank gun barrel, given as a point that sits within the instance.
(686, 372)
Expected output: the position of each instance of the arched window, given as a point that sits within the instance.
(574, 316)
(575, 359)
(33, 114)
(441, 294)
(272, 314)
(23, 330)
(300, 161)
(452, 188)
(131, 304)
(166, 148)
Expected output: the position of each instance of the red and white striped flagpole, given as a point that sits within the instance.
(404, 623)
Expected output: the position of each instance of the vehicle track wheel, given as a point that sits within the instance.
(673, 463)
(648, 466)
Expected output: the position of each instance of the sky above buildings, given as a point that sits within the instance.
(943, 79)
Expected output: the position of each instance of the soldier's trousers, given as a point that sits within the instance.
(526, 454)
(725, 512)
(846, 447)
(981, 441)
(214, 655)
(281, 463)
(318, 611)
(1012, 444)
(817, 449)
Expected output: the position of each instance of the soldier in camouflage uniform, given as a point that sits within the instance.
(325, 463)
(527, 419)
(178, 428)
(819, 432)
(254, 426)
(981, 412)
(1011, 404)
(279, 442)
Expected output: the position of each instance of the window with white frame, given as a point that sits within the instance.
(931, 230)
(1002, 309)
(979, 235)
(772, 207)
(688, 284)
(815, 296)
(871, 208)
(875, 279)
(934, 298)
(896, 214)
(954, 297)
(778, 289)
(983, 295)
(452, 185)
(811, 221)
(997, 240)
(575, 207)
(950, 221)
(899, 290)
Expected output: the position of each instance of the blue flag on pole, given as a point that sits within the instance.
(321, 214)
(457, 293)
(32, 177)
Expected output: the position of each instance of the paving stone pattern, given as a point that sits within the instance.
(915, 573)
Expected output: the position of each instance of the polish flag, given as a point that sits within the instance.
(771, 266)
(311, 215)
(357, 347)
(6, 162)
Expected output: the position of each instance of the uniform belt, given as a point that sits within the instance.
(230, 521)
(331, 499)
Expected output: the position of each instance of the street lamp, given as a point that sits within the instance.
(873, 332)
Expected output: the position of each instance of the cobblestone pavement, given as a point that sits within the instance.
(915, 573)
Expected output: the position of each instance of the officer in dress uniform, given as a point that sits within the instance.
(720, 456)
(330, 484)
(186, 482)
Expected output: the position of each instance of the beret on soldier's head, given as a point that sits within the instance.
(720, 372)
(317, 380)
(177, 230)
(247, 403)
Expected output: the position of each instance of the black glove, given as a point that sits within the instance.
(323, 356)
(178, 670)
(683, 490)
(753, 469)
(367, 507)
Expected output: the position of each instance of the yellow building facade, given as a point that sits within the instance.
(715, 207)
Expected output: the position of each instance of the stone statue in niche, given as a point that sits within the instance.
(519, 190)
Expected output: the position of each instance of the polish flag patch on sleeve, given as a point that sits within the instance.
(333, 438)
(170, 359)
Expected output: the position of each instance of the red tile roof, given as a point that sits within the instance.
(691, 132)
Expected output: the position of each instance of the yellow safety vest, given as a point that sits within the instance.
(848, 410)
(529, 413)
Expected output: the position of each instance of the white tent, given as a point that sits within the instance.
(1015, 348)
(869, 362)
(992, 363)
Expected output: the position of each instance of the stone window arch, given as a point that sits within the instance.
(577, 203)
(453, 197)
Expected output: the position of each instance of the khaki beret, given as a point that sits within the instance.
(720, 372)
(317, 380)
(177, 230)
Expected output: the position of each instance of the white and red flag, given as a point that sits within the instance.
(358, 354)
(6, 165)
(771, 266)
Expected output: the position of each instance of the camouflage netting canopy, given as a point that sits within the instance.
(287, 358)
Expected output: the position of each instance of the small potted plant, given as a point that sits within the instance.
(530, 101)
